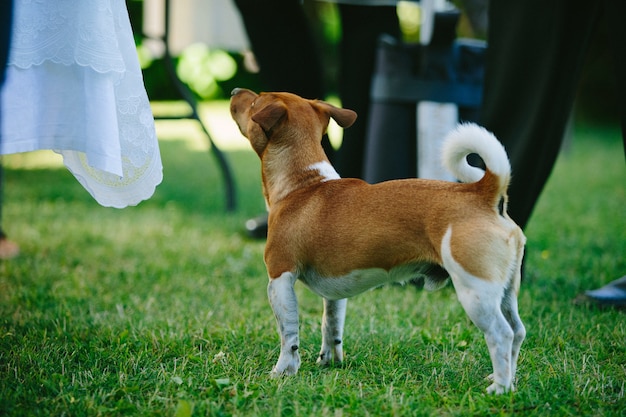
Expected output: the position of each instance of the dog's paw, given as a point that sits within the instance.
(495, 389)
(276, 373)
(287, 365)
(330, 355)
(280, 372)
(498, 389)
(326, 359)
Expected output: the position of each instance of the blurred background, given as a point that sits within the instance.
(212, 56)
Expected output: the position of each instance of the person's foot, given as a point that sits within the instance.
(612, 294)
(8, 249)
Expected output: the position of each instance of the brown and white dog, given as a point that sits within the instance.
(341, 237)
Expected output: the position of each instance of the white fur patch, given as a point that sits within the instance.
(358, 281)
(326, 170)
(464, 282)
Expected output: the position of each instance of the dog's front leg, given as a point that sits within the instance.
(332, 331)
(285, 306)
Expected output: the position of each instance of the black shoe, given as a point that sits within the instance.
(256, 228)
(612, 294)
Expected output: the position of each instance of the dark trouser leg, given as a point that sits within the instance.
(361, 28)
(284, 46)
(285, 49)
(534, 59)
(616, 30)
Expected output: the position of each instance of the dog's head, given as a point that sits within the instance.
(267, 117)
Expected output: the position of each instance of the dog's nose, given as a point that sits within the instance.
(235, 91)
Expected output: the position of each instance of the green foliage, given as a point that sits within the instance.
(202, 68)
(210, 74)
(161, 309)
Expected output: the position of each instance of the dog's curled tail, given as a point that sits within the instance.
(470, 138)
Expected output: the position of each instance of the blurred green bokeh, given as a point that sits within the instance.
(212, 74)
(202, 68)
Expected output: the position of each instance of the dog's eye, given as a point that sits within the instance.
(253, 103)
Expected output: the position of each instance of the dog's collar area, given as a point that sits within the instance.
(325, 170)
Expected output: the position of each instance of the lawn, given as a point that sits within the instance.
(161, 309)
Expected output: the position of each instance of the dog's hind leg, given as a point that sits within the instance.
(332, 331)
(482, 299)
(284, 303)
(509, 308)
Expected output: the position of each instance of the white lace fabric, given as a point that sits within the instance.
(74, 85)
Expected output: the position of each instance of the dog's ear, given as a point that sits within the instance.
(269, 115)
(343, 117)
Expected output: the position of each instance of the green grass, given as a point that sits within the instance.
(161, 309)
